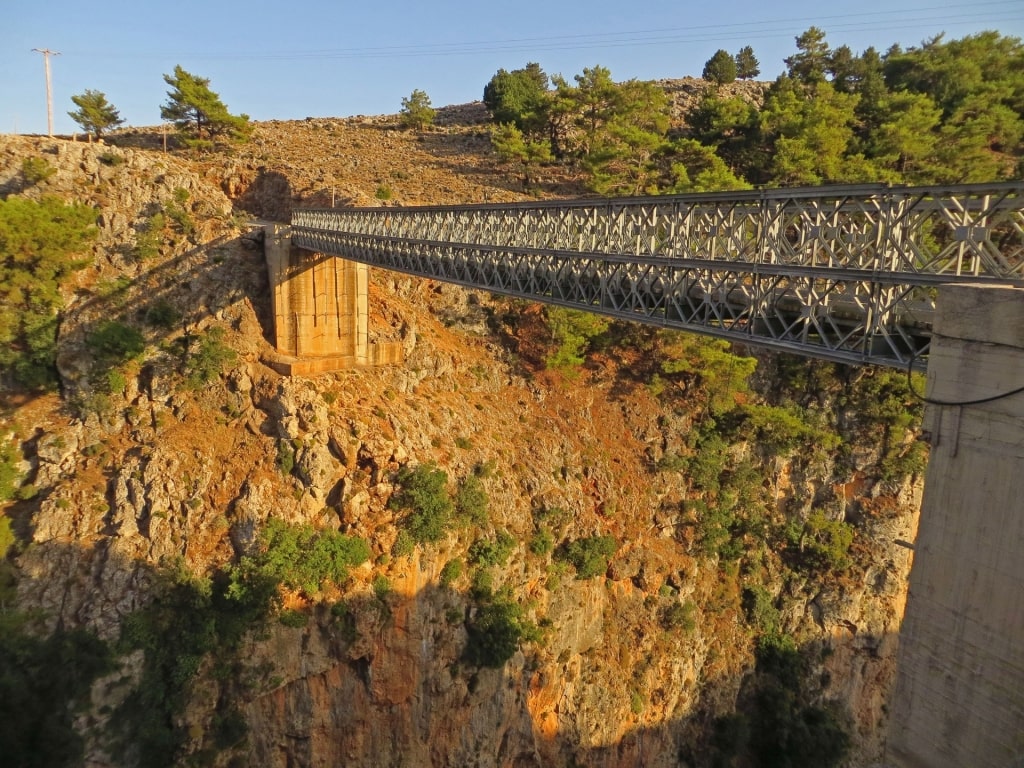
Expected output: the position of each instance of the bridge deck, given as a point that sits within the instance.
(843, 273)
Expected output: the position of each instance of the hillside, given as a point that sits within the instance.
(728, 608)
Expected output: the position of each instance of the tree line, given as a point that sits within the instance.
(197, 111)
(945, 112)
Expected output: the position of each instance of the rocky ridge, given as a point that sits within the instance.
(168, 473)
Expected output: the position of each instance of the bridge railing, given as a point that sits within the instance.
(845, 272)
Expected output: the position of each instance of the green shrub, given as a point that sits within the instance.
(293, 619)
(471, 500)
(404, 545)
(208, 359)
(423, 495)
(343, 619)
(178, 212)
(705, 467)
(780, 430)
(542, 542)
(900, 462)
(672, 462)
(114, 290)
(189, 618)
(636, 703)
(825, 544)
(9, 475)
(760, 610)
(37, 241)
(113, 159)
(495, 632)
(482, 586)
(7, 537)
(150, 237)
(303, 558)
(485, 469)
(285, 457)
(679, 616)
(572, 333)
(776, 724)
(381, 586)
(589, 556)
(114, 342)
(488, 552)
(714, 524)
(162, 314)
(36, 169)
(383, 192)
(721, 376)
(451, 572)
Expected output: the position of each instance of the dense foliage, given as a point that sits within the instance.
(776, 725)
(38, 244)
(423, 497)
(589, 555)
(301, 557)
(42, 680)
(9, 475)
(945, 112)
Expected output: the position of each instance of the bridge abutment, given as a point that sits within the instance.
(320, 310)
(959, 698)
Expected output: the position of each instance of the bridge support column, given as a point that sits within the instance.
(320, 310)
(959, 698)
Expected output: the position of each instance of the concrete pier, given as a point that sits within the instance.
(320, 310)
(959, 699)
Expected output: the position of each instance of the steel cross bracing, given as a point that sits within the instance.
(844, 273)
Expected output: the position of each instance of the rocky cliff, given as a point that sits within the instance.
(629, 667)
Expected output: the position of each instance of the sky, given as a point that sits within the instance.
(320, 58)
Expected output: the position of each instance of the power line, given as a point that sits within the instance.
(854, 22)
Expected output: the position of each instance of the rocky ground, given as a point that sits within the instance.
(162, 472)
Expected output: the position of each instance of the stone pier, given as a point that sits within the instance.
(959, 699)
(320, 310)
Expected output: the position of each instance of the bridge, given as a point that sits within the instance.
(845, 273)
(857, 274)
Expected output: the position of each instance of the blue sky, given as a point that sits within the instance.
(322, 59)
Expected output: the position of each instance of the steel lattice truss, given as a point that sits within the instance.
(843, 273)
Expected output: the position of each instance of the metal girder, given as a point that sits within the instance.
(842, 273)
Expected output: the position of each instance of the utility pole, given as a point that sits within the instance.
(47, 53)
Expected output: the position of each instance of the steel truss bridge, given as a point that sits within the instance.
(844, 273)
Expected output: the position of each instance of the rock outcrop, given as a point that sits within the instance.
(167, 472)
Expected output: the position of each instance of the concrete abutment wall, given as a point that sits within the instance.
(320, 310)
(959, 699)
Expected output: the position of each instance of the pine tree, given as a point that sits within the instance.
(811, 63)
(416, 111)
(591, 104)
(747, 65)
(194, 108)
(696, 168)
(95, 114)
(519, 97)
(720, 68)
